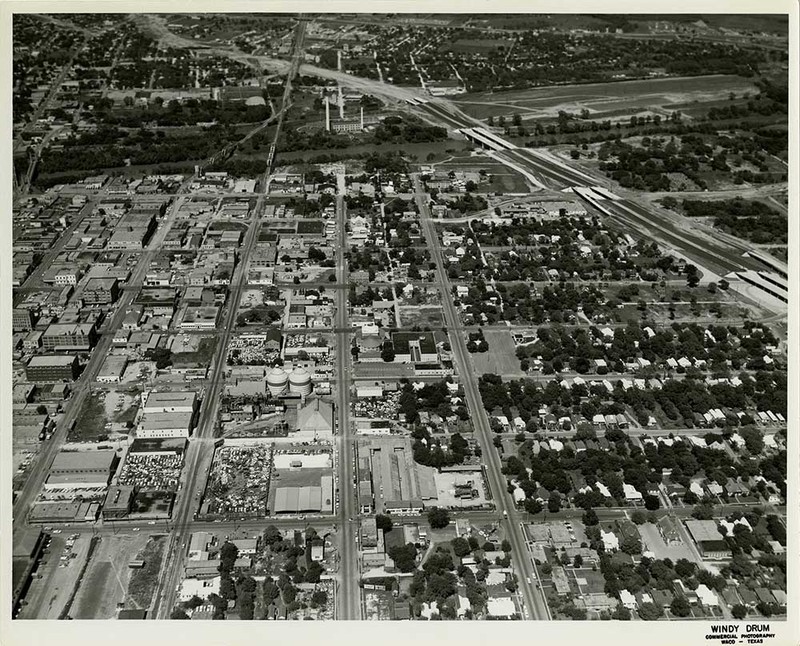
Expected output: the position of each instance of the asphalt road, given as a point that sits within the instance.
(477, 518)
(200, 451)
(535, 602)
(348, 599)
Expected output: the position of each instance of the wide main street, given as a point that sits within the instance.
(200, 449)
(348, 601)
(535, 601)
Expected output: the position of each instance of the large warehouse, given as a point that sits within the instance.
(82, 469)
(305, 500)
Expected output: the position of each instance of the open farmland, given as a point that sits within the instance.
(603, 99)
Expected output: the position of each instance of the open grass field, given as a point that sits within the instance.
(601, 98)
(501, 358)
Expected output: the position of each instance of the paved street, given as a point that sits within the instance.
(534, 599)
(348, 603)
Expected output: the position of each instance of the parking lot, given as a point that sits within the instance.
(385, 407)
(150, 472)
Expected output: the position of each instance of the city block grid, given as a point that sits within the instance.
(400, 317)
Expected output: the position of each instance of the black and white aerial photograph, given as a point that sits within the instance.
(402, 317)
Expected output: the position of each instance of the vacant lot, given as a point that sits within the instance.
(106, 580)
(501, 358)
(143, 581)
(603, 97)
(422, 315)
(91, 421)
(202, 356)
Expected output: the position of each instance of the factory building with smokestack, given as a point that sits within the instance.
(344, 123)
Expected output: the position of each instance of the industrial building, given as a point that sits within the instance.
(708, 538)
(52, 368)
(69, 336)
(302, 500)
(82, 469)
(170, 402)
(315, 419)
(396, 483)
(119, 501)
(101, 291)
(132, 232)
(199, 318)
(165, 425)
(773, 284)
(158, 446)
(297, 382)
(770, 261)
(112, 369)
(28, 546)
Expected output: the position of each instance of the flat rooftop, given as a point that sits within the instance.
(53, 360)
(157, 421)
(167, 399)
(158, 445)
(83, 461)
(704, 530)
